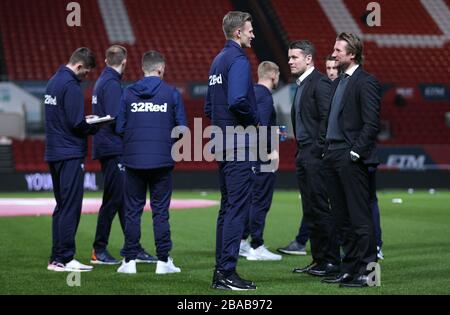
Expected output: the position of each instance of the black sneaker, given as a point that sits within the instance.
(103, 258)
(216, 273)
(294, 248)
(231, 282)
(146, 258)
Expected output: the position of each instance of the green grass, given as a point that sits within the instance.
(416, 235)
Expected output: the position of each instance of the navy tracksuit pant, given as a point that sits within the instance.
(112, 203)
(303, 232)
(262, 194)
(374, 205)
(236, 179)
(68, 181)
(113, 176)
(159, 181)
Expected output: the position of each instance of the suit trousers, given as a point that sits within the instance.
(316, 210)
(348, 188)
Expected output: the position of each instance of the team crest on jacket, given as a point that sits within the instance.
(50, 100)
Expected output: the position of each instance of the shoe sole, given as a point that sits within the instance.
(353, 286)
(76, 270)
(127, 273)
(56, 269)
(98, 262)
(262, 259)
(231, 288)
(164, 273)
(292, 252)
(317, 274)
(138, 261)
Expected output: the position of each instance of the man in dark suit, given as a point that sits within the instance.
(353, 124)
(309, 113)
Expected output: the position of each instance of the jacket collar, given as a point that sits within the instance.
(113, 72)
(231, 43)
(69, 71)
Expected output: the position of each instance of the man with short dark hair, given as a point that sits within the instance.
(309, 113)
(331, 68)
(298, 246)
(353, 125)
(66, 134)
(150, 109)
(108, 148)
(230, 102)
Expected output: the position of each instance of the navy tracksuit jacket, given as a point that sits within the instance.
(66, 134)
(264, 182)
(107, 147)
(231, 102)
(149, 110)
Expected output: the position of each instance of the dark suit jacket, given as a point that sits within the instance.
(359, 118)
(315, 104)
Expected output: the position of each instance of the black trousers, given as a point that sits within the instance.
(348, 188)
(316, 209)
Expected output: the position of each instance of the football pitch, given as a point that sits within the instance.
(416, 235)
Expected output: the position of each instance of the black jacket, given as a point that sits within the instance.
(315, 104)
(359, 118)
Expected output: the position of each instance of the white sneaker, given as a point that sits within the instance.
(244, 248)
(262, 253)
(379, 253)
(56, 266)
(127, 267)
(166, 267)
(76, 266)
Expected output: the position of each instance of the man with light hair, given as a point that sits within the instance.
(264, 182)
(230, 102)
(353, 125)
(107, 147)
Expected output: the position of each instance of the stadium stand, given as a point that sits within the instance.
(191, 36)
(419, 121)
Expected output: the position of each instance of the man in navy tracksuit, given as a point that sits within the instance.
(264, 181)
(65, 150)
(107, 147)
(149, 110)
(231, 102)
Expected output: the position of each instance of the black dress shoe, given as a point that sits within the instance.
(304, 269)
(340, 278)
(358, 282)
(324, 270)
